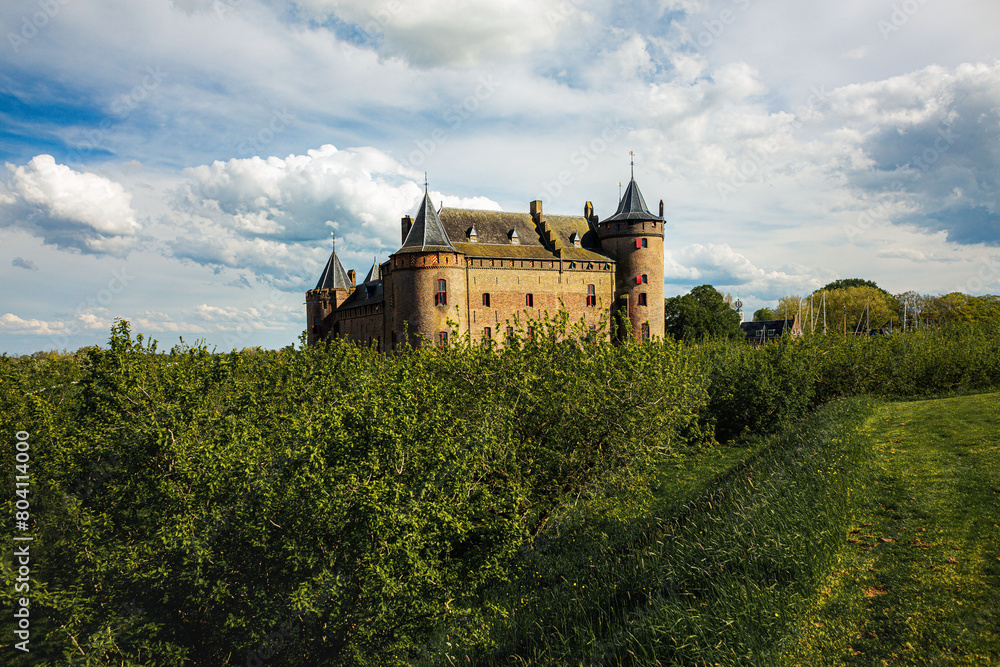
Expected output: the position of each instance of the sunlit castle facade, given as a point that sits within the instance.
(483, 271)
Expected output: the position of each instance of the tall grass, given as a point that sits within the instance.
(717, 577)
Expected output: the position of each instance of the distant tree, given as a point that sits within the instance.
(852, 302)
(844, 283)
(787, 309)
(764, 315)
(959, 307)
(701, 313)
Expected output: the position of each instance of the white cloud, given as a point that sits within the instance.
(85, 321)
(67, 208)
(13, 325)
(718, 264)
(272, 216)
(903, 253)
(856, 54)
(461, 33)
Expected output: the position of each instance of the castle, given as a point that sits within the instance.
(483, 269)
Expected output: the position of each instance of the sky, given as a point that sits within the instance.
(182, 163)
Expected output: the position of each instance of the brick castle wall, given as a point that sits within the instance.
(619, 240)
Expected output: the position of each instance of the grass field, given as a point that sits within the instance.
(864, 535)
(917, 580)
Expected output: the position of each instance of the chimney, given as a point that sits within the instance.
(406, 223)
(353, 277)
(535, 208)
(661, 208)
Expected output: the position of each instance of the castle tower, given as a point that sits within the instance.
(426, 281)
(634, 238)
(333, 288)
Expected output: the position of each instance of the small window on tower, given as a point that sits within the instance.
(510, 332)
(645, 243)
(642, 298)
(645, 278)
(487, 334)
(441, 298)
(529, 300)
(486, 299)
(591, 296)
(442, 339)
(645, 332)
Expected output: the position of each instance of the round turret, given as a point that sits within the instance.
(634, 238)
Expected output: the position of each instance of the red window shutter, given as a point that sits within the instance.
(638, 243)
(638, 280)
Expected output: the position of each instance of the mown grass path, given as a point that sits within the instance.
(917, 581)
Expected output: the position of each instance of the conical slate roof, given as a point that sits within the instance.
(334, 276)
(632, 206)
(374, 273)
(427, 232)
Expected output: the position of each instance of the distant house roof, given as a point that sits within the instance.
(334, 276)
(632, 206)
(766, 329)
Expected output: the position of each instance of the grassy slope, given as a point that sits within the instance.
(918, 576)
(716, 569)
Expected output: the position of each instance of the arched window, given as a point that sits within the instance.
(591, 296)
(486, 299)
(441, 298)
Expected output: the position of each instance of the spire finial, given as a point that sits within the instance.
(632, 161)
(619, 190)
(333, 240)
(425, 182)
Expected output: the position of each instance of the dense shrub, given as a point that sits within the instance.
(756, 390)
(320, 506)
(759, 390)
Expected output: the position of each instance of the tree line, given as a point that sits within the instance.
(854, 305)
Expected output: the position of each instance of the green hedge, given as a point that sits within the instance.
(328, 505)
